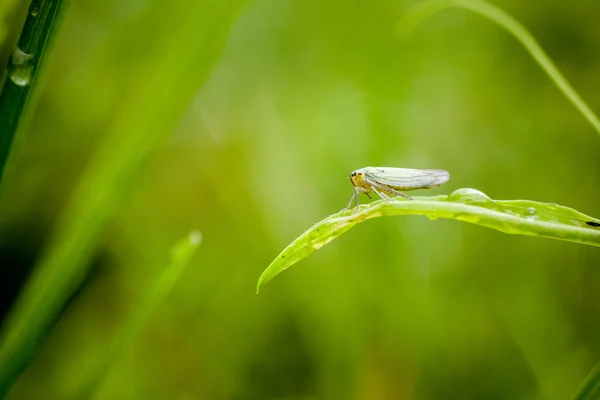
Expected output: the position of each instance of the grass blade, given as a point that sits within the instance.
(156, 291)
(425, 9)
(521, 217)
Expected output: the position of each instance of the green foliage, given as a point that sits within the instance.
(181, 64)
(266, 111)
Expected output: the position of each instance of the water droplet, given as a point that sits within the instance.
(20, 69)
(531, 213)
(20, 77)
(19, 57)
(468, 196)
(34, 12)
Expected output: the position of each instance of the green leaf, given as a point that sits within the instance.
(521, 217)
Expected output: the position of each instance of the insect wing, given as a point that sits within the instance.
(407, 179)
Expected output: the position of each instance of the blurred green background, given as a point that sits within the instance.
(300, 93)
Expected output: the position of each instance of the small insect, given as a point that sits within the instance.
(390, 181)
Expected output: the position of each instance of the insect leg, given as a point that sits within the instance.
(397, 193)
(388, 189)
(354, 195)
(380, 194)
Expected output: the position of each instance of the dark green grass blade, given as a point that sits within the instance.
(21, 71)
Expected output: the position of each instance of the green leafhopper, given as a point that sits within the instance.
(387, 181)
